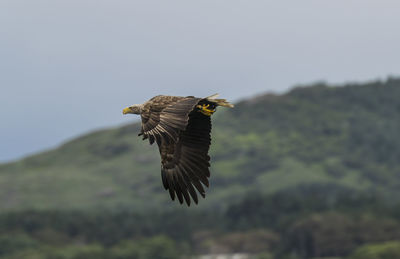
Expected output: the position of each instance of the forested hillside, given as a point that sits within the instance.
(311, 173)
(346, 137)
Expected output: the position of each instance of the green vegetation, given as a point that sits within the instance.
(388, 250)
(313, 173)
(294, 224)
(156, 247)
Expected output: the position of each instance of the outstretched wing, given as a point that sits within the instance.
(164, 117)
(185, 164)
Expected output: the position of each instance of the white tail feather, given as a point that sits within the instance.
(220, 102)
(212, 96)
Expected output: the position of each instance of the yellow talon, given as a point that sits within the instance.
(208, 110)
(204, 110)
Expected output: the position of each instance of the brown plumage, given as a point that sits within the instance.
(181, 127)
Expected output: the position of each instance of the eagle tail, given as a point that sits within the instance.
(219, 102)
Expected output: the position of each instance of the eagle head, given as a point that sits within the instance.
(134, 109)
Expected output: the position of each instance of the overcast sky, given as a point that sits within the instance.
(68, 67)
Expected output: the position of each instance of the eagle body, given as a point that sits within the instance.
(181, 127)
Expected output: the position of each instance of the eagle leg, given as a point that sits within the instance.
(204, 109)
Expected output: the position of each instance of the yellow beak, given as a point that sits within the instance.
(126, 110)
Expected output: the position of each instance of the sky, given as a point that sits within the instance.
(69, 67)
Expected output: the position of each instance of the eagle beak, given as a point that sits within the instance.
(127, 110)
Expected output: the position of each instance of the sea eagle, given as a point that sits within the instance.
(181, 128)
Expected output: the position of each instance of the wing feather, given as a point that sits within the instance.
(189, 185)
(185, 163)
(165, 117)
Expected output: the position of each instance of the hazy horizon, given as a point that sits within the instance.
(68, 68)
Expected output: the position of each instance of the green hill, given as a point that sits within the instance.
(332, 138)
(313, 173)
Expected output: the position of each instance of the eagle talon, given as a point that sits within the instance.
(204, 110)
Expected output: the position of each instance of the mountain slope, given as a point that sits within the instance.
(345, 137)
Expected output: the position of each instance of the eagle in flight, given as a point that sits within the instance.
(181, 128)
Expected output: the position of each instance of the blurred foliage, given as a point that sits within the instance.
(388, 250)
(158, 247)
(296, 224)
(313, 173)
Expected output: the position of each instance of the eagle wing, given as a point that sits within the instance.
(164, 117)
(185, 164)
